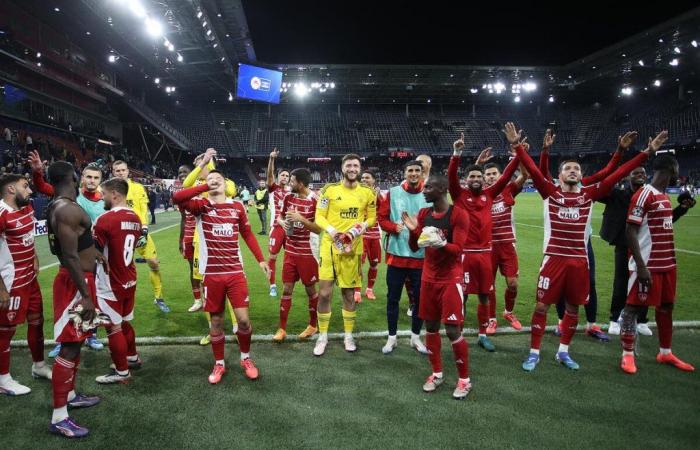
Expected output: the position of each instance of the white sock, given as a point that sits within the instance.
(59, 414)
(38, 365)
(665, 351)
(221, 362)
(563, 348)
(505, 311)
(348, 335)
(414, 337)
(132, 358)
(323, 336)
(244, 356)
(71, 395)
(482, 335)
(536, 351)
(393, 338)
(5, 378)
(123, 373)
(626, 353)
(466, 380)
(437, 374)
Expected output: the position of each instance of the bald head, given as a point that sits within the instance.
(427, 163)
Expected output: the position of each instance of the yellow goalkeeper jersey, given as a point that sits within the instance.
(342, 207)
(137, 200)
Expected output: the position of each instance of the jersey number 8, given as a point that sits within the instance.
(129, 242)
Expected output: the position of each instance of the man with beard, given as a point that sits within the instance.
(345, 210)
(20, 295)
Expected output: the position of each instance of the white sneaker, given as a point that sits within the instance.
(42, 372)
(644, 329)
(113, 377)
(320, 347)
(419, 345)
(350, 344)
(390, 345)
(11, 387)
(409, 311)
(614, 328)
(196, 306)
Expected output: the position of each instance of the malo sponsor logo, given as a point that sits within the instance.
(498, 208)
(350, 213)
(222, 230)
(568, 213)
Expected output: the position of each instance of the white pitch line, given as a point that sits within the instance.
(167, 340)
(153, 232)
(680, 250)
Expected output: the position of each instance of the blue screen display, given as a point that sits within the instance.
(256, 83)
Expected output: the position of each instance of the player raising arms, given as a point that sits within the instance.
(653, 263)
(20, 295)
(565, 263)
(220, 220)
(301, 235)
(371, 242)
(137, 199)
(345, 210)
(278, 191)
(442, 231)
(116, 232)
(70, 239)
(477, 201)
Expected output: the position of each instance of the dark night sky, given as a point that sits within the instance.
(442, 32)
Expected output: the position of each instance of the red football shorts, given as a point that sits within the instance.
(65, 296)
(119, 308)
(299, 267)
(277, 236)
(504, 258)
(23, 301)
(372, 250)
(218, 287)
(563, 277)
(478, 275)
(441, 301)
(662, 289)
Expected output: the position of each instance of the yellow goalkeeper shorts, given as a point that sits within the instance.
(148, 251)
(195, 261)
(344, 269)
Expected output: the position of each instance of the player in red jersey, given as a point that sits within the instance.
(187, 225)
(371, 242)
(70, 239)
(299, 211)
(565, 264)
(652, 264)
(219, 223)
(442, 230)
(116, 233)
(278, 191)
(20, 296)
(504, 256)
(477, 201)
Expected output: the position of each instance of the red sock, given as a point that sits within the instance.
(35, 338)
(664, 323)
(568, 327)
(244, 337)
(197, 293)
(6, 334)
(313, 310)
(117, 347)
(434, 342)
(461, 352)
(510, 299)
(62, 380)
(492, 304)
(130, 336)
(76, 361)
(482, 315)
(371, 276)
(217, 346)
(272, 262)
(539, 322)
(357, 290)
(285, 306)
(627, 338)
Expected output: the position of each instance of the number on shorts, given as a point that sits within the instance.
(129, 243)
(543, 282)
(14, 303)
(272, 242)
(466, 277)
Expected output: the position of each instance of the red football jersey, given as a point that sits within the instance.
(116, 231)
(277, 200)
(503, 230)
(374, 232)
(16, 246)
(652, 211)
(190, 222)
(298, 243)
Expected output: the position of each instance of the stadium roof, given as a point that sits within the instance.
(208, 38)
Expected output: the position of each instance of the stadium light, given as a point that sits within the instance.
(530, 86)
(199, 15)
(230, 97)
(641, 62)
(676, 50)
(517, 99)
(429, 100)
(57, 9)
(215, 45)
(156, 80)
(332, 85)
(551, 99)
(499, 87)
(38, 64)
(137, 8)
(204, 24)
(694, 43)
(626, 91)
(112, 58)
(179, 58)
(153, 27)
(473, 90)
(208, 32)
(657, 83)
(38, 54)
(674, 62)
(301, 90)
(171, 48)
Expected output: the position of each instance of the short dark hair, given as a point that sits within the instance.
(439, 180)
(8, 179)
(119, 161)
(350, 156)
(302, 176)
(665, 163)
(94, 167)
(491, 165)
(217, 171)
(372, 172)
(279, 171)
(475, 167)
(413, 162)
(60, 172)
(567, 160)
(116, 184)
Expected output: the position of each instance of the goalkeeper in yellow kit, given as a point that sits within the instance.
(344, 211)
(137, 200)
(202, 165)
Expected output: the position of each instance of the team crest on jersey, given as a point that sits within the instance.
(638, 211)
(11, 316)
(580, 200)
(324, 202)
(483, 198)
(222, 230)
(540, 293)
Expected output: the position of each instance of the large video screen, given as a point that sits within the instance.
(256, 83)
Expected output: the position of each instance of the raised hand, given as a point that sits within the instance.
(512, 133)
(458, 145)
(485, 155)
(626, 140)
(409, 222)
(208, 155)
(548, 140)
(35, 161)
(655, 144)
(274, 153)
